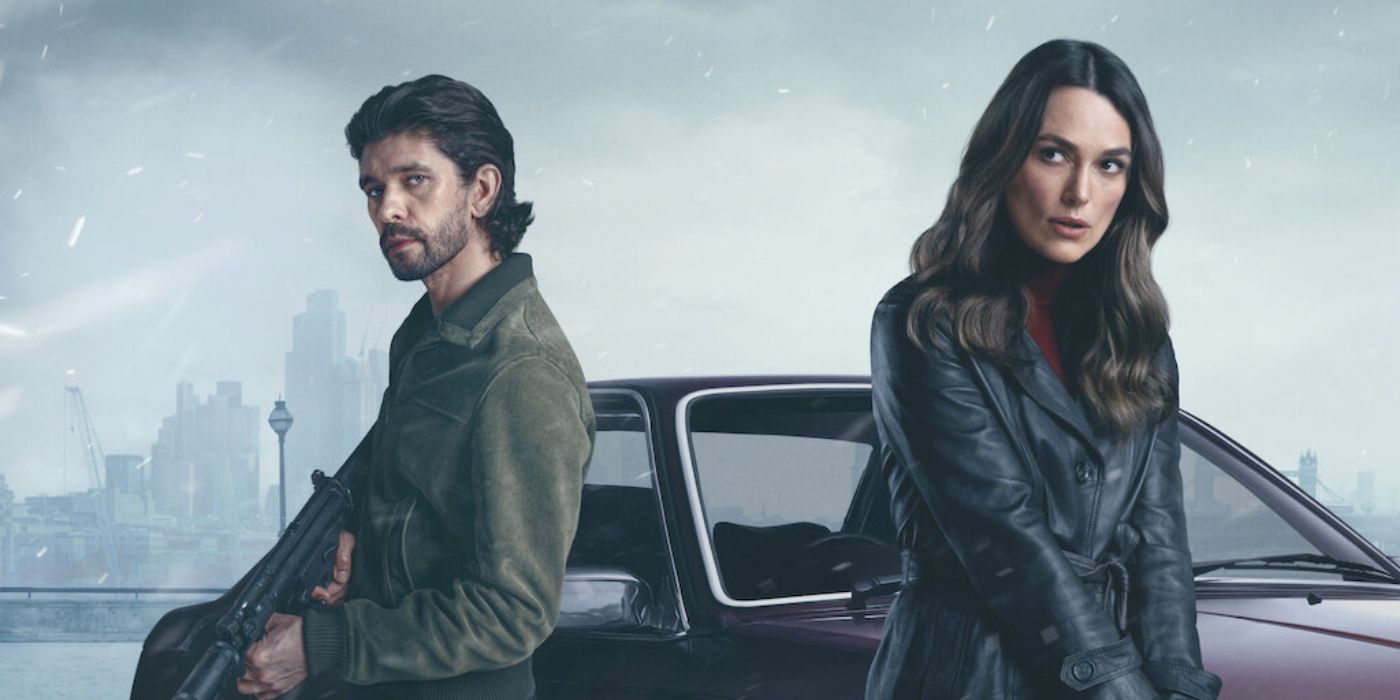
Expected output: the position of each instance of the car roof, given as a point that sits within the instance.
(663, 389)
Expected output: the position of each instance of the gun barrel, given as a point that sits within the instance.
(220, 663)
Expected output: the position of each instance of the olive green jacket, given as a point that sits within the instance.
(466, 498)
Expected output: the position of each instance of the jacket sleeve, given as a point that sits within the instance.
(360, 458)
(931, 411)
(1163, 598)
(530, 442)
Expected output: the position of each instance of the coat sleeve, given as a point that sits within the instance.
(1163, 598)
(530, 442)
(932, 413)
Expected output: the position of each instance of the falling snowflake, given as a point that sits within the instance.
(135, 171)
(77, 231)
(990, 21)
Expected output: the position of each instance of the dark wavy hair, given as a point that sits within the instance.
(1110, 316)
(463, 124)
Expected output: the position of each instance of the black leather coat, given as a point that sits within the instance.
(1044, 557)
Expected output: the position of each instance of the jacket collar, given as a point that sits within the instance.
(1032, 371)
(462, 316)
(470, 308)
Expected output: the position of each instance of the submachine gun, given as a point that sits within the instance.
(196, 652)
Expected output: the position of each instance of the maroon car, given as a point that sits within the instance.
(727, 521)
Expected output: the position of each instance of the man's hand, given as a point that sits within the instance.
(277, 662)
(334, 592)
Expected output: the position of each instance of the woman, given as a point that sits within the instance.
(1025, 392)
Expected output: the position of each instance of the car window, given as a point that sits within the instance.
(766, 480)
(1225, 520)
(620, 524)
(776, 473)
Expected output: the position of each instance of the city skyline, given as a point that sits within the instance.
(356, 384)
(328, 424)
(720, 190)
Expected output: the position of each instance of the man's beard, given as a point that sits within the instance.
(442, 245)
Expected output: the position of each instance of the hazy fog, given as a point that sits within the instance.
(720, 187)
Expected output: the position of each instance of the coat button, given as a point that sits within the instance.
(1083, 472)
(1083, 671)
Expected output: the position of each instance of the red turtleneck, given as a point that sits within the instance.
(1043, 283)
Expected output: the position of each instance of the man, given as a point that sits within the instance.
(466, 490)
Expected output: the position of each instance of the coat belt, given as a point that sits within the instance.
(1110, 575)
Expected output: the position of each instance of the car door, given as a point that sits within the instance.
(621, 629)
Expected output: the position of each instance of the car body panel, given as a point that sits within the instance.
(1266, 637)
(1265, 661)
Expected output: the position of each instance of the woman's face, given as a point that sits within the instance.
(1064, 196)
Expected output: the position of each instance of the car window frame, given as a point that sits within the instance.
(697, 510)
(644, 409)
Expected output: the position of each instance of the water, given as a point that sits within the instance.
(67, 670)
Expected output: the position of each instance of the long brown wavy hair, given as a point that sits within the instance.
(1110, 316)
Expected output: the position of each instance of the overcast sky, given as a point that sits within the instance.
(720, 187)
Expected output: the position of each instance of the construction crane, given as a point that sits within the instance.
(92, 450)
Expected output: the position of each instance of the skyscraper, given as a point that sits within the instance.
(204, 463)
(334, 398)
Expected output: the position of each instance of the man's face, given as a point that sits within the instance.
(418, 203)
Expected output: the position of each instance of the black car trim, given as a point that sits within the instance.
(1305, 561)
(1244, 587)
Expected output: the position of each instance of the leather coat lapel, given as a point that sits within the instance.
(1033, 373)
